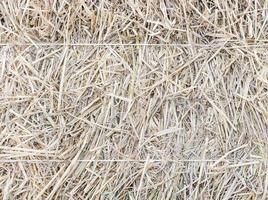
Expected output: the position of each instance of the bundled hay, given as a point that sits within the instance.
(133, 99)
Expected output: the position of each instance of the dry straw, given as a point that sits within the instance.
(133, 99)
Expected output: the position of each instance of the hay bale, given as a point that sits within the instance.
(133, 99)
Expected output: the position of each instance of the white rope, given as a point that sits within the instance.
(137, 44)
(142, 160)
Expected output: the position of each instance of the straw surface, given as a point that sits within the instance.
(133, 99)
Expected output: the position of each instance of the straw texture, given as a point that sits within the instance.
(133, 99)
